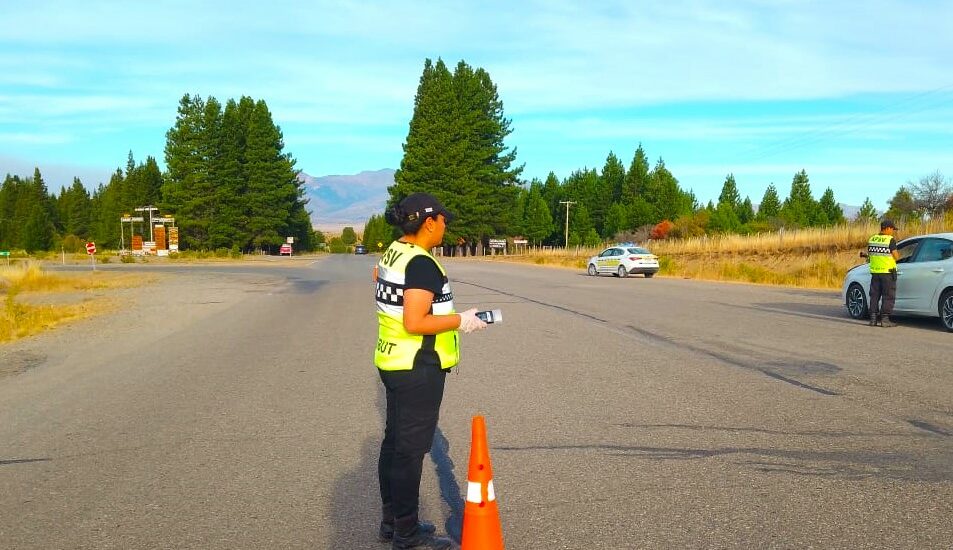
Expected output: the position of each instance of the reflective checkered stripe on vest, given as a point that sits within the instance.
(396, 348)
(878, 250)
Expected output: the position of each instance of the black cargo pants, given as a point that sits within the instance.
(882, 285)
(413, 408)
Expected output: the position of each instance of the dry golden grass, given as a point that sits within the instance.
(19, 319)
(811, 258)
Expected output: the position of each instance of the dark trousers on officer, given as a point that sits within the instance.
(413, 407)
(882, 285)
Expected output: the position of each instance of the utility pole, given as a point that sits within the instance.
(568, 204)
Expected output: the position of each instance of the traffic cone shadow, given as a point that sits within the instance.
(481, 517)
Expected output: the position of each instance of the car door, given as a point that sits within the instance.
(602, 264)
(616, 260)
(919, 279)
(908, 251)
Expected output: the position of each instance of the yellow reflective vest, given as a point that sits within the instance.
(397, 348)
(878, 250)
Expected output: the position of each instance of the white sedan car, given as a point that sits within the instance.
(621, 260)
(924, 280)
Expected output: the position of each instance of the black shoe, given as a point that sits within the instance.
(886, 322)
(873, 320)
(386, 533)
(420, 540)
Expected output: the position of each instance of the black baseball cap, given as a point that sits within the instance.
(887, 223)
(423, 205)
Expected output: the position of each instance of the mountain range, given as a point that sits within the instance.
(349, 200)
(346, 200)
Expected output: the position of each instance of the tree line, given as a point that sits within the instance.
(33, 219)
(228, 183)
(455, 150)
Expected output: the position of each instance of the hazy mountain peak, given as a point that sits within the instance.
(337, 200)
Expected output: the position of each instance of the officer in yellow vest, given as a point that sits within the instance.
(882, 254)
(417, 344)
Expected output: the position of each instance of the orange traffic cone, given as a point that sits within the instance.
(481, 517)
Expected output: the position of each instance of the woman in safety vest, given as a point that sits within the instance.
(417, 344)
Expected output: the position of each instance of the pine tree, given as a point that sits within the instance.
(455, 150)
(9, 226)
(616, 220)
(637, 179)
(433, 151)
(867, 211)
(38, 232)
(729, 193)
(78, 210)
(800, 208)
(723, 219)
(580, 222)
(746, 213)
(538, 222)
(273, 186)
(107, 208)
(230, 183)
(832, 212)
(770, 206)
(185, 192)
(665, 194)
(613, 174)
(552, 194)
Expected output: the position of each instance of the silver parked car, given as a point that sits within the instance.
(924, 280)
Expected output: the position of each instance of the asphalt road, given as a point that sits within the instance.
(236, 406)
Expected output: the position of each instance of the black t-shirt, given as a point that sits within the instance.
(422, 272)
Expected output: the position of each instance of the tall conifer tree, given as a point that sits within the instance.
(455, 150)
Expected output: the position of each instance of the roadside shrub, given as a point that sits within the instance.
(221, 252)
(236, 252)
(73, 244)
(127, 259)
(662, 229)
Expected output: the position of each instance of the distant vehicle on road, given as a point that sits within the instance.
(285, 249)
(360, 249)
(623, 260)
(924, 280)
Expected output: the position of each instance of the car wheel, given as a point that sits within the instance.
(649, 275)
(856, 302)
(623, 272)
(946, 310)
(592, 270)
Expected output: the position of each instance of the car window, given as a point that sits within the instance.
(618, 252)
(906, 250)
(606, 252)
(638, 250)
(934, 250)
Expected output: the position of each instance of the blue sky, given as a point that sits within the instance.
(859, 94)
